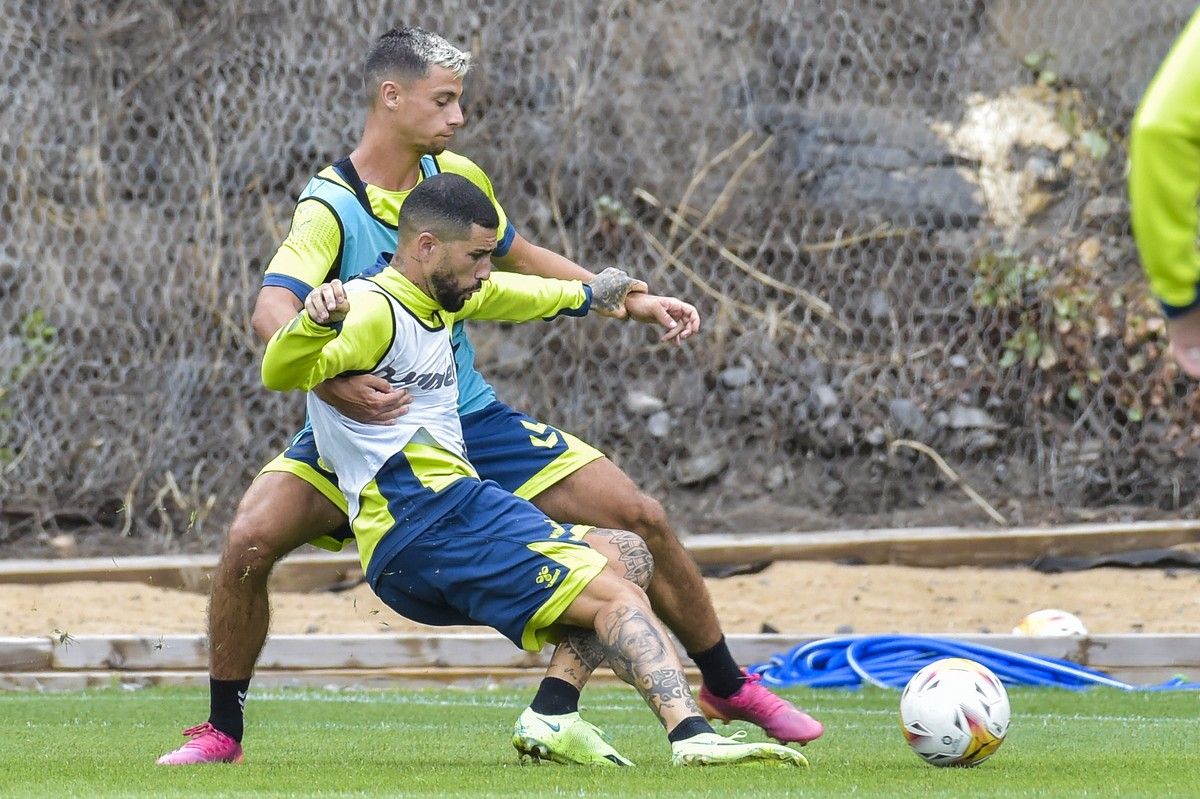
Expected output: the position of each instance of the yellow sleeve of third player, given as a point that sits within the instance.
(512, 297)
(311, 253)
(1164, 175)
(304, 354)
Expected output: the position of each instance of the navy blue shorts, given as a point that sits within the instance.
(495, 560)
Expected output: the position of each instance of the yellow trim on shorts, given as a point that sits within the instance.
(585, 565)
(579, 454)
(373, 522)
(282, 463)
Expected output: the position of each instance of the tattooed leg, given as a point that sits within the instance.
(579, 654)
(637, 647)
(635, 644)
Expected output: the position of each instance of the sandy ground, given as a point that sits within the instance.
(819, 598)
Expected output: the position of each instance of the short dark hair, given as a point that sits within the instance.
(446, 205)
(407, 53)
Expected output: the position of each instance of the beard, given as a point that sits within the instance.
(447, 293)
(436, 147)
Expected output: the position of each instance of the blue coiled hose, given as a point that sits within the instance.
(890, 661)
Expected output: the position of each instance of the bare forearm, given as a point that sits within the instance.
(273, 309)
(530, 259)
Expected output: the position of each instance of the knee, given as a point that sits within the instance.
(249, 549)
(646, 516)
(628, 596)
(634, 560)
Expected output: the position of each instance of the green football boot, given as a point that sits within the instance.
(566, 739)
(710, 749)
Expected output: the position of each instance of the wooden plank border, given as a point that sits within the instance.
(918, 546)
(301, 572)
(490, 652)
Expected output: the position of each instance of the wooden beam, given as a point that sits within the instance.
(942, 546)
(25, 654)
(918, 546)
(301, 572)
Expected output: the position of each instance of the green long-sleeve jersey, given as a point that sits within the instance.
(1164, 175)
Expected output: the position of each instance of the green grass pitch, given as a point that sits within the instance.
(455, 743)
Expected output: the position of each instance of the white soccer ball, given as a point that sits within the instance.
(1050, 621)
(954, 712)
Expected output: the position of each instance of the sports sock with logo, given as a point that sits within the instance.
(226, 705)
(689, 728)
(720, 671)
(555, 697)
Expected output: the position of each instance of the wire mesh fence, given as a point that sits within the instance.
(904, 221)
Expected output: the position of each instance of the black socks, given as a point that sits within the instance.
(555, 697)
(689, 728)
(720, 671)
(226, 705)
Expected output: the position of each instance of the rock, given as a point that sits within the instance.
(977, 441)
(964, 417)
(878, 306)
(906, 417)
(687, 389)
(813, 371)
(700, 468)
(1106, 211)
(1089, 250)
(659, 424)
(735, 377)
(64, 545)
(875, 436)
(1034, 202)
(958, 361)
(832, 487)
(822, 398)
(776, 478)
(863, 161)
(643, 403)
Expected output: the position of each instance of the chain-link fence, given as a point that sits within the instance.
(904, 221)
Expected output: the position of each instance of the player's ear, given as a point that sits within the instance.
(390, 95)
(427, 244)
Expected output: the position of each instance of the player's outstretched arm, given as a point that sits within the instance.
(527, 258)
(511, 297)
(680, 319)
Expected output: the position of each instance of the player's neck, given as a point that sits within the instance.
(379, 162)
(415, 273)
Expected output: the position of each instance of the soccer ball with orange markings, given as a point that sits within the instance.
(954, 712)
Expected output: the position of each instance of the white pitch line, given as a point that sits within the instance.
(516, 703)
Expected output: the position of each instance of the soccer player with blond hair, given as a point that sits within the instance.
(345, 217)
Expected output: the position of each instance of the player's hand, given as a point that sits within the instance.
(680, 319)
(1184, 332)
(365, 398)
(327, 303)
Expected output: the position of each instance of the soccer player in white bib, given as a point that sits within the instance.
(438, 544)
(345, 217)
